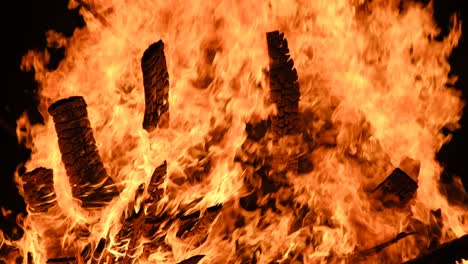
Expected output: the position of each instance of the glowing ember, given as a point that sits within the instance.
(329, 158)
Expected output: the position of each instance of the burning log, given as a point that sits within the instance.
(155, 192)
(87, 175)
(89, 255)
(449, 252)
(64, 260)
(40, 198)
(396, 190)
(256, 129)
(133, 226)
(285, 94)
(129, 235)
(154, 220)
(156, 84)
(284, 86)
(39, 193)
(195, 228)
(376, 249)
(192, 260)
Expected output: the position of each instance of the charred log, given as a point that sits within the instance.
(129, 235)
(153, 221)
(87, 175)
(257, 130)
(194, 228)
(62, 260)
(39, 193)
(396, 190)
(249, 202)
(298, 220)
(40, 198)
(155, 230)
(376, 249)
(156, 84)
(155, 192)
(133, 225)
(92, 254)
(284, 86)
(285, 94)
(192, 260)
(450, 252)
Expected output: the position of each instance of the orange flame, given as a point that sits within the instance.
(372, 72)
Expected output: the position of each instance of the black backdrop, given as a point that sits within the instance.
(23, 27)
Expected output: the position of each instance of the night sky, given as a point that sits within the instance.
(24, 24)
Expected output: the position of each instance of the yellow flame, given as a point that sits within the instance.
(375, 72)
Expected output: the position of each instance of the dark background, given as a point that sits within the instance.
(23, 27)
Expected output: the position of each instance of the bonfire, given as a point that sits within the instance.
(242, 132)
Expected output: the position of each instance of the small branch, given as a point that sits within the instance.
(376, 249)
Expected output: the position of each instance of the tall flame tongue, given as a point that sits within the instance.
(249, 173)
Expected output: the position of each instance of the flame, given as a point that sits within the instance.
(372, 71)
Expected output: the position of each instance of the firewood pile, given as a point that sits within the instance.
(143, 228)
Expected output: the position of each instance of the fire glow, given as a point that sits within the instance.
(244, 156)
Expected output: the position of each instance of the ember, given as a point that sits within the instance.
(313, 143)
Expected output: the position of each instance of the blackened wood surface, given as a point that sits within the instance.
(87, 175)
(195, 228)
(39, 193)
(397, 189)
(449, 252)
(128, 237)
(153, 219)
(155, 192)
(192, 260)
(156, 85)
(64, 260)
(284, 86)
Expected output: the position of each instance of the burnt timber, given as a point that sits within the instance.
(397, 189)
(192, 260)
(87, 175)
(133, 226)
(156, 85)
(285, 94)
(284, 86)
(450, 252)
(39, 193)
(155, 192)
